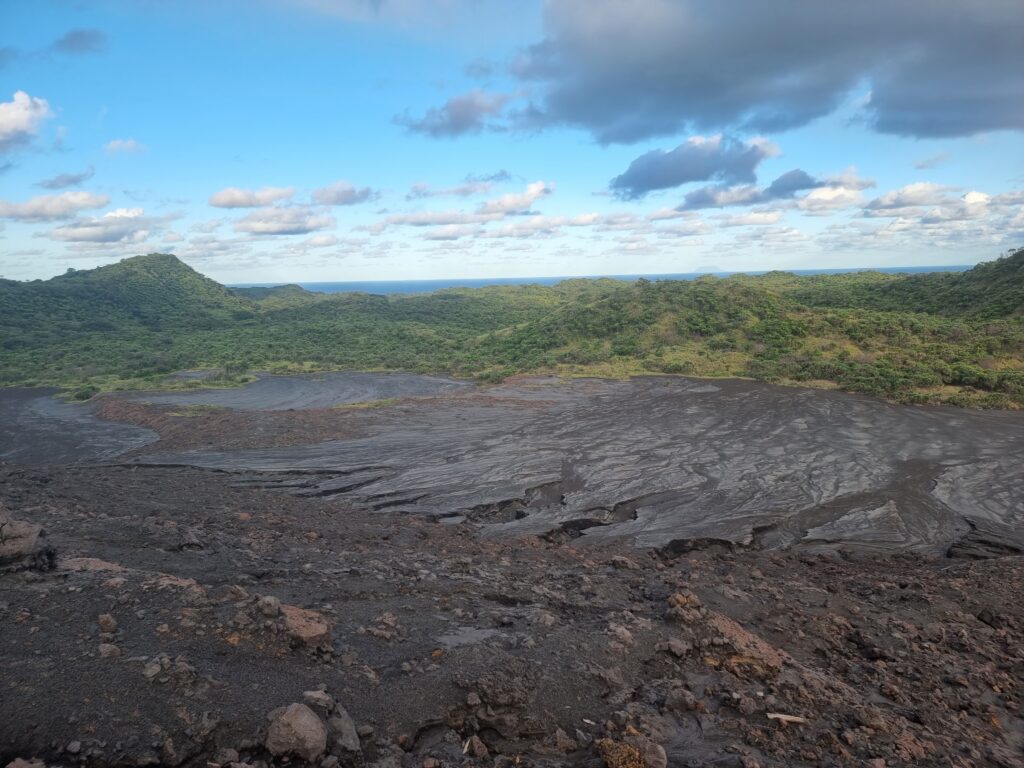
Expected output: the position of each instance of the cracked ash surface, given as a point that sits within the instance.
(648, 572)
(667, 462)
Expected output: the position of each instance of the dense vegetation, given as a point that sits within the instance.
(940, 337)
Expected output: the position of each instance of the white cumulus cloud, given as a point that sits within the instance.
(322, 241)
(235, 197)
(910, 196)
(827, 199)
(752, 219)
(441, 218)
(123, 225)
(277, 220)
(518, 202)
(20, 118)
(52, 207)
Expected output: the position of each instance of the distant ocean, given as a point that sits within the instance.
(428, 286)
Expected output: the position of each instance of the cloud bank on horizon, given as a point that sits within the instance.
(370, 139)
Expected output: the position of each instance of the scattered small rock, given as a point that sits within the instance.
(226, 756)
(109, 651)
(563, 742)
(306, 627)
(676, 647)
(621, 634)
(269, 606)
(89, 565)
(20, 762)
(319, 700)
(624, 563)
(681, 700)
(475, 747)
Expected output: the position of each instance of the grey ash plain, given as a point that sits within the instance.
(663, 462)
(322, 390)
(37, 427)
(546, 566)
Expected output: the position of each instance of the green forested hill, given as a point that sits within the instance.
(768, 327)
(990, 290)
(278, 295)
(942, 337)
(146, 292)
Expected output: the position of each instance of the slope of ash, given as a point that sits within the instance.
(186, 607)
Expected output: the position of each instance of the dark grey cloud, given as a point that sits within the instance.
(720, 196)
(79, 41)
(460, 115)
(64, 180)
(343, 193)
(784, 187)
(789, 183)
(76, 42)
(627, 71)
(696, 159)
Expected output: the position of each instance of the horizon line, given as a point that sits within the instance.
(632, 275)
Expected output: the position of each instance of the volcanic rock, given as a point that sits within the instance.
(306, 627)
(346, 738)
(21, 545)
(296, 730)
(319, 700)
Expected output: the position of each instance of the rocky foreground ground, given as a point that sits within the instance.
(180, 616)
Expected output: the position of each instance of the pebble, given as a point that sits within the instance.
(269, 606)
(475, 747)
(676, 647)
(109, 651)
(621, 634)
(624, 563)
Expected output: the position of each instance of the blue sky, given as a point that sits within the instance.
(402, 139)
